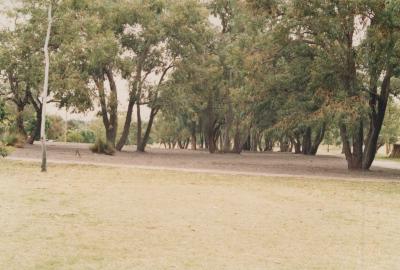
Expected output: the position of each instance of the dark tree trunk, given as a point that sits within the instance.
(269, 144)
(187, 143)
(110, 123)
(354, 158)
(237, 143)
(284, 145)
(113, 108)
(211, 142)
(211, 126)
(247, 144)
(297, 145)
(228, 127)
(201, 140)
(20, 119)
(36, 131)
(396, 151)
(37, 105)
(318, 140)
(193, 139)
(377, 115)
(139, 129)
(128, 120)
(307, 141)
(143, 142)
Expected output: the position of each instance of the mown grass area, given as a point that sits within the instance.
(86, 217)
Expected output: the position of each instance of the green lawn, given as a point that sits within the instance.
(86, 217)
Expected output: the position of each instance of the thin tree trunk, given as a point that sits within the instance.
(193, 138)
(307, 141)
(146, 136)
(45, 90)
(228, 127)
(20, 119)
(139, 128)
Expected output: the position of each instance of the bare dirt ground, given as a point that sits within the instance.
(284, 164)
(86, 217)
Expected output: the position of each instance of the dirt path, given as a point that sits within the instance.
(258, 164)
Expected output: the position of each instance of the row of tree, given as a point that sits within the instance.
(226, 75)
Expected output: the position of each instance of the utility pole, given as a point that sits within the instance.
(66, 125)
(45, 90)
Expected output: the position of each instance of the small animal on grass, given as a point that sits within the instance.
(77, 153)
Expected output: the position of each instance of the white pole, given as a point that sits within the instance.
(45, 91)
(66, 125)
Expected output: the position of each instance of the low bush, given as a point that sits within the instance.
(3, 151)
(102, 147)
(15, 140)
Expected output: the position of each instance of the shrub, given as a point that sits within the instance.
(15, 140)
(88, 136)
(75, 136)
(102, 147)
(3, 151)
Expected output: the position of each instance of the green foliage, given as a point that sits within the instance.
(74, 136)
(391, 126)
(4, 151)
(2, 111)
(81, 136)
(14, 140)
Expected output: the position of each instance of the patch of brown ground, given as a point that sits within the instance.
(252, 163)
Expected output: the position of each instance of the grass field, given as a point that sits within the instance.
(86, 217)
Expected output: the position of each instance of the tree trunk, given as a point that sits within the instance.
(36, 131)
(354, 158)
(127, 126)
(318, 139)
(139, 128)
(45, 90)
(307, 142)
(269, 144)
(284, 145)
(113, 105)
(396, 151)
(20, 120)
(193, 139)
(228, 127)
(145, 139)
(297, 145)
(377, 116)
(211, 126)
(237, 143)
(201, 140)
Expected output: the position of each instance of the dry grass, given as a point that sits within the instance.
(84, 217)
